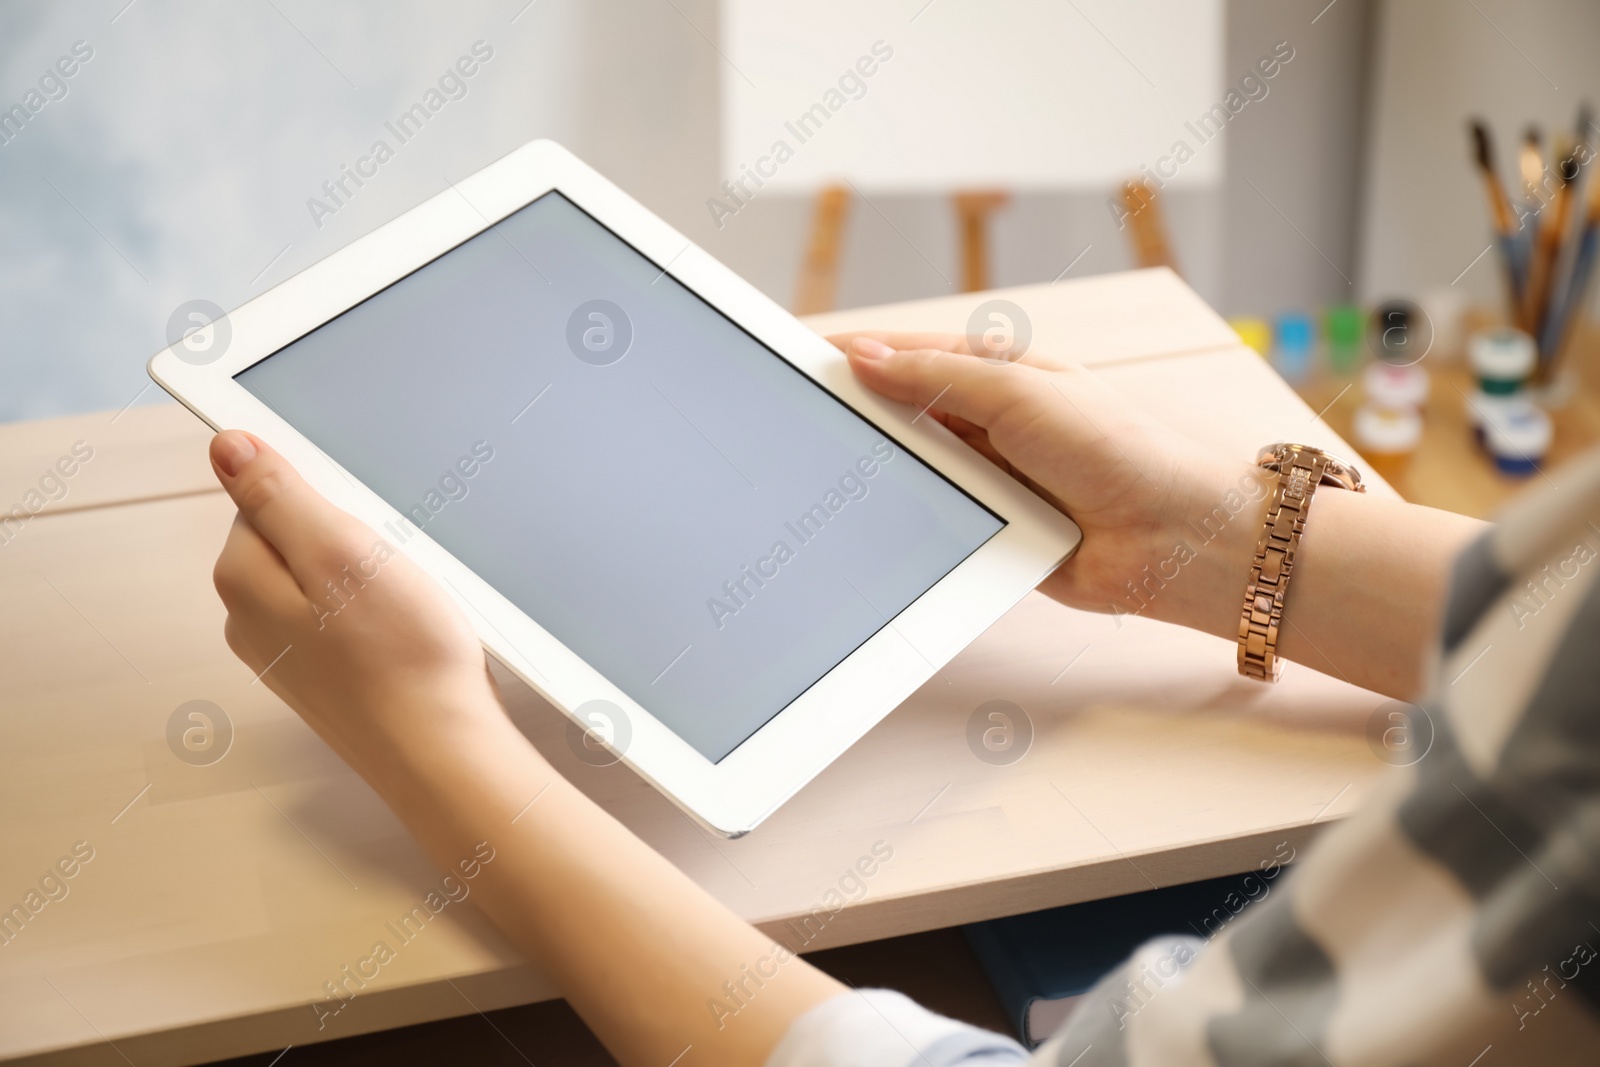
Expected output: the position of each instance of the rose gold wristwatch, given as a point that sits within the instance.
(1300, 469)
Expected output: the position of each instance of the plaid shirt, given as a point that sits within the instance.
(1453, 920)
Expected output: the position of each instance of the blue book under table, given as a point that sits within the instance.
(1041, 964)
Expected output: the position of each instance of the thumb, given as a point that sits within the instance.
(976, 389)
(306, 530)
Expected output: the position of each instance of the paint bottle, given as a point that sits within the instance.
(1295, 346)
(1344, 324)
(1253, 332)
(1387, 438)
(1395, 387)
(1502, 361)
(1400, 339)
(1518, 438)
(1399, 333)
(1388, 426)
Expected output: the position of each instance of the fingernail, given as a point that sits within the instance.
(867, 348)
(233, 451)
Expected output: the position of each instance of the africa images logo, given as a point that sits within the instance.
(350, 179)
(740, 590)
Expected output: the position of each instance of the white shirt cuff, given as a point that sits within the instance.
(881, 1028)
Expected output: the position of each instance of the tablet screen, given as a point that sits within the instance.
(661, 492)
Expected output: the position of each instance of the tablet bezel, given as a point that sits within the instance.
(734, 795)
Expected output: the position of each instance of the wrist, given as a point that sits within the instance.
(1213, 530)
(455, 747)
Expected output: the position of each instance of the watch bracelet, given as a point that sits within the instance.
(1262, 615)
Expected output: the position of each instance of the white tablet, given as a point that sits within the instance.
(665, 504)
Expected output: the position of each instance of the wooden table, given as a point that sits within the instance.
(220, 898)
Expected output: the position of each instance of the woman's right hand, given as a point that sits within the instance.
(1131, 483)
(367, 648)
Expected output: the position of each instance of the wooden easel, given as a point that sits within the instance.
(818, 286)
(1147, 229)
(819, 271)
(972, 215)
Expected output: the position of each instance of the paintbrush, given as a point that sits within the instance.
(1505, 226)
(1562, 318)
(1530, 166)
(1566, 311)
(1530, 161)
(1547, 249)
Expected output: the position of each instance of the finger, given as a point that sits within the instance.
(943, 342)
(239, 644)
(961, 427)
(905, 339)
(298, 522)
(977, 438)
(251, 577)
(972, 389)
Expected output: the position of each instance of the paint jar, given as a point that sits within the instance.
(1387, 438)
(1253, 332)
(1296, 343)
(1394, 387)
(1344, 325)
(1484, 408)
(1399, 333)
(1502, 360)
(1519, 438)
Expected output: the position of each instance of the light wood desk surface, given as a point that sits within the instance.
(221, 898)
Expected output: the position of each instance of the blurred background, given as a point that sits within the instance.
(196, 150)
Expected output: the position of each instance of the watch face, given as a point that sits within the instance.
(1272, 455)
(1337, 472)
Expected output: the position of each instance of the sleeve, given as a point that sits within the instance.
(881, 1028)
(1096, 1033)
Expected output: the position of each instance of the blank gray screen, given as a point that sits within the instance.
(661, 492)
